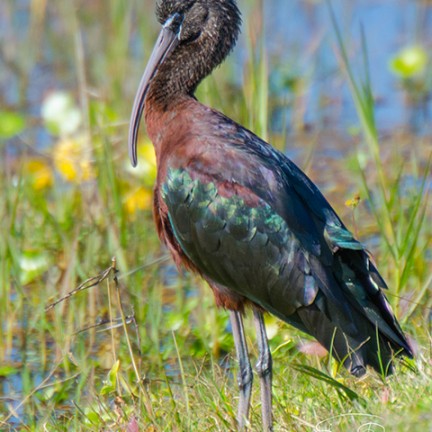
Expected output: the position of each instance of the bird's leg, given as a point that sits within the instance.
(264, 371)
(245, 376)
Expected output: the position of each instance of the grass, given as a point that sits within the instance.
(146, 348)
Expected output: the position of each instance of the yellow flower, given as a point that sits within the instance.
(72, 160)
(147, 151)
(146, 169)
(354, 201)
(40, 174)
(139, 199)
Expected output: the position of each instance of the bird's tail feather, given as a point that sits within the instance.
(350, 315)
(357, 343)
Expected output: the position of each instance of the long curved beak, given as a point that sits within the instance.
(167, 41)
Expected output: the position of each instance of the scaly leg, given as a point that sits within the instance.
(245, 376)
(264, 371)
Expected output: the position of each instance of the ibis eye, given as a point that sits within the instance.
(190, 38)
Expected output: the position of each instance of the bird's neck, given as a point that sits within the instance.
(177, 78)
(166, 127)
(179, 75)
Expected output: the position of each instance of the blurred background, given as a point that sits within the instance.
(348, 99)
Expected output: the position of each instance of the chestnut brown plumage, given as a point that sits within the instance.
(235, 210)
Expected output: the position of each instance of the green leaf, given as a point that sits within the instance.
(11, 124)
(111, 381)
(7, 370)
(93, 418)
(315, 373)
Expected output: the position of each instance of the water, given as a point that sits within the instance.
(300, 34)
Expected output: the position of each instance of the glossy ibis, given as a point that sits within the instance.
(246, 218)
